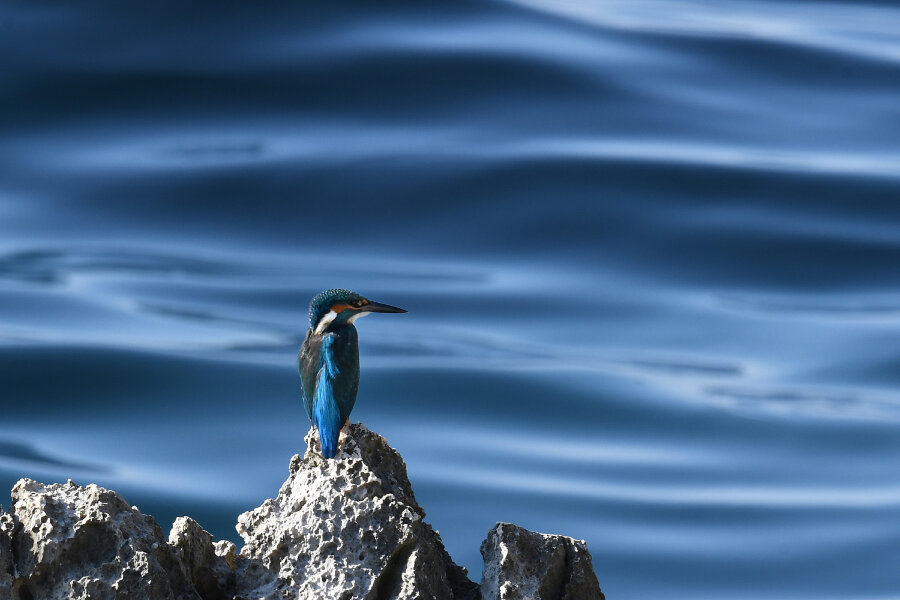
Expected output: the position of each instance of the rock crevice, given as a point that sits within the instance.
(341, 529)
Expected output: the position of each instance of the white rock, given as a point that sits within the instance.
(74, 542)
(342, 529)
(524, 565)
(346, 528)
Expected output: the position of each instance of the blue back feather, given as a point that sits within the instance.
(326, 413)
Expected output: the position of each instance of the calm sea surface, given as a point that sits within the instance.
(650, 252)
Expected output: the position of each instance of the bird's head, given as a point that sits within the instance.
(335, 308)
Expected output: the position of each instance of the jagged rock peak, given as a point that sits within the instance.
(525, 565)
(208, 565)
(347, 528)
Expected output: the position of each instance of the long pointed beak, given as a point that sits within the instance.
(379, 307)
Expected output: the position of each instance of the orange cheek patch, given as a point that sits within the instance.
(338, 308)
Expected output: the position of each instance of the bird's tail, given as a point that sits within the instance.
(329, 430)
(326, 414)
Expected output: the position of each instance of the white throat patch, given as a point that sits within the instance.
(324, 321)
(358, 315)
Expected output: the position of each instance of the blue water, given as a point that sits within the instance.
(650, 252)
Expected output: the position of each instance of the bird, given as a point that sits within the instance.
(329, 361)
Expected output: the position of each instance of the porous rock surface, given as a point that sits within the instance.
(72, 542)
(347, 529)
(343, 529)
(525, 565)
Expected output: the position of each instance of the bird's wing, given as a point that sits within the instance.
(346, 352)
(308, 365)
(341, 354)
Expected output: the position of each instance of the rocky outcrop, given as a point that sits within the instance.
(88, 543)
(524, 565)
(209, 566)
(341, 529)
(348, 528)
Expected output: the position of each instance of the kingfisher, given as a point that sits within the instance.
(329, 361)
